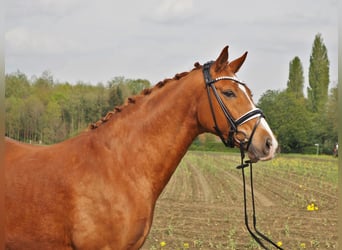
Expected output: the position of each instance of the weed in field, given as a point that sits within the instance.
(231, 239)
(287, 230)
(198, 243)
(329, 245)
(253, 244)
(314, 243)
(153, 248)
(170, 230)
(231, 244)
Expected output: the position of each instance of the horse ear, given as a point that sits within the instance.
(236, 64)
(222, 61)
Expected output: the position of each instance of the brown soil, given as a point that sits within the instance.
(202, 208)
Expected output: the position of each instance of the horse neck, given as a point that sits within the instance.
(150, 137)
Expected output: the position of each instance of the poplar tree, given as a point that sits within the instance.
(295, 83)
(318, 75)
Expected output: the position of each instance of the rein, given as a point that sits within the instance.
(230, 141)
(260, 235)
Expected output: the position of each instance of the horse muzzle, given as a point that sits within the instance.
(264, 145)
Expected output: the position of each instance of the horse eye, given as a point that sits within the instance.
(229, 93)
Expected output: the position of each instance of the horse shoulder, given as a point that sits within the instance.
(105, 207)
(108, 223)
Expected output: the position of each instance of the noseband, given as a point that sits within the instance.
(230, 141)
(234, 123)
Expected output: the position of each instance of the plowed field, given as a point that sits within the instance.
(202, 205)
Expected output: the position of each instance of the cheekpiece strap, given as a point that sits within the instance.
(206, 73)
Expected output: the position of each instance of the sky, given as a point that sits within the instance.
(95, 41)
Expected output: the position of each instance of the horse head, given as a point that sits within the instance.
(227, 110)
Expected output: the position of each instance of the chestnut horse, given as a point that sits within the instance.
(98, 190)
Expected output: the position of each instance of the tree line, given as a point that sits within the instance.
(305, 124)
(42, 110)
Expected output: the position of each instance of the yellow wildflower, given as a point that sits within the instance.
(163, 244)
(302, 245)
(186, 245)
(279, 243)
(311, 207)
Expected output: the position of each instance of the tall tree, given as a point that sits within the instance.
(318, 75)
(51, 119)
(289, 119)
(31, 119)
(42, 86)
(17, 85)
(330, 115)
(136, 86)
(295, 83)
(14, 116)
(115, 96)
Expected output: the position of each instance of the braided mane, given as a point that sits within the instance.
(144, 92)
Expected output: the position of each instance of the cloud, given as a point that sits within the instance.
(175, 7)
(24, 41)
(173, 11)
(19, 9)
(96, 40)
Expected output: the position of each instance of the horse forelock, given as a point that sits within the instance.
(144, 92)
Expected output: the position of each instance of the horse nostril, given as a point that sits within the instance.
(268, 143)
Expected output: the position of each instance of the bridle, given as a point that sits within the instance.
(234, 123)
(243, 144)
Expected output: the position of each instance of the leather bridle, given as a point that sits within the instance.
(234, 123)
